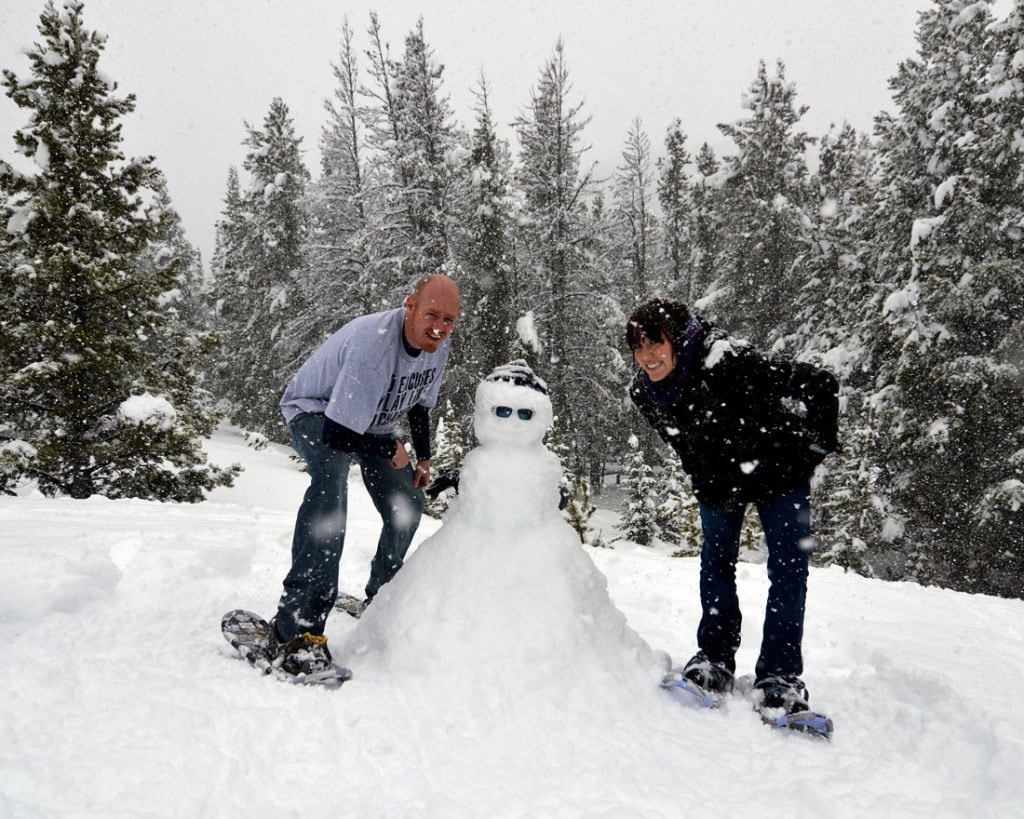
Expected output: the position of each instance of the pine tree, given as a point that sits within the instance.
(954, 414)
(335, 272)
(97, 394)
(767, 187)
(575, 502)
(483, 240)
(426, 153)
(570, 300)
(554, 187)
(449, 450)
(706, 225)
(342, 151)
(1000, 514)
(676, 207)
(633, 212)
(579, 509)
(840, 278)
(262, 260)
(677, 513)
(417, 153)
(224, 292)
(387, 223)
(639, 516)
(752, 534)
(831, 329)
(187, 301)
(849, 513)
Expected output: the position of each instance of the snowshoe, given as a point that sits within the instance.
(781, 701)
(351, 605)
(303, 661)
(689, 692)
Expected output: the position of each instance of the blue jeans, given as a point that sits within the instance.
(311, 586)
(787, 527)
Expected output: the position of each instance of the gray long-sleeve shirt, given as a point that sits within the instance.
(363, 377)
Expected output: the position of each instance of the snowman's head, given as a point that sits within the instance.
(512, 407)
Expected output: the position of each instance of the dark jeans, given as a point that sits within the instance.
(787, 527)
(311, 587)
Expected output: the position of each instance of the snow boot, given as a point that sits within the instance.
(304, 656)
(783, 692)
(711, 676)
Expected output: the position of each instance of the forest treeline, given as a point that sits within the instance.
(893, 258)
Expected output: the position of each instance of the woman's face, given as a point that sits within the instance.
(656, 358)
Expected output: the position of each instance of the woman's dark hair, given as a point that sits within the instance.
(655, 320)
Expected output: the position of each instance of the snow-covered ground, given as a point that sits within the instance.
(120, 698)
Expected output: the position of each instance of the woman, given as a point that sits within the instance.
(749, 428)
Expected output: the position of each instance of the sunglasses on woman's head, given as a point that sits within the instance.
(506, 412)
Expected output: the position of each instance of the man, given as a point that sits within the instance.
(342, 406)
(749, 429)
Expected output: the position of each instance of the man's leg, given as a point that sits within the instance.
(719, 632)
(400, 506)
(311, 586)
(787, 529)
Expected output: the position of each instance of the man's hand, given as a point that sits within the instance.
(400, 460)
(422, 478)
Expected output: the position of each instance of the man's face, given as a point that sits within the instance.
(431, 316)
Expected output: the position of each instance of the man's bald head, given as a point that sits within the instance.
(431, 311)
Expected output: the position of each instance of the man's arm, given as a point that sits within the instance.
(419, 429)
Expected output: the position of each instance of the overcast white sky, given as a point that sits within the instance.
(200, 69)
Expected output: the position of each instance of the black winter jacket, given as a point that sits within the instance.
(748, 426)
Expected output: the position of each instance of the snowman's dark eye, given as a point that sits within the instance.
(506, 412)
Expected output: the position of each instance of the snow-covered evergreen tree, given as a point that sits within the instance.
(224, 290)
(852, 519)
(428, 153)
(571, 301)
(261, 261)
(335, 272)
(953, 418)
(839, 275)
(676, 206)
(640, 513)
(1001, 510)
(342, 149)
(677, 512)
(766, 182)
(579, 509)
(576, 504)
(483, 236)
(417, 154)
(707, 219)
(835, 312)
(449, 449)
(554, 188)
(97, 391)
(187, 301)
(637, 224)
(387, 227)
(488, 260)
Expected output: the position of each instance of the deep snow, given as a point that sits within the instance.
(119, 697)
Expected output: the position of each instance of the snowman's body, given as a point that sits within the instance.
(505, 582)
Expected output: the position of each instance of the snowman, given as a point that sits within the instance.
(504, 584)
(511, 479)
